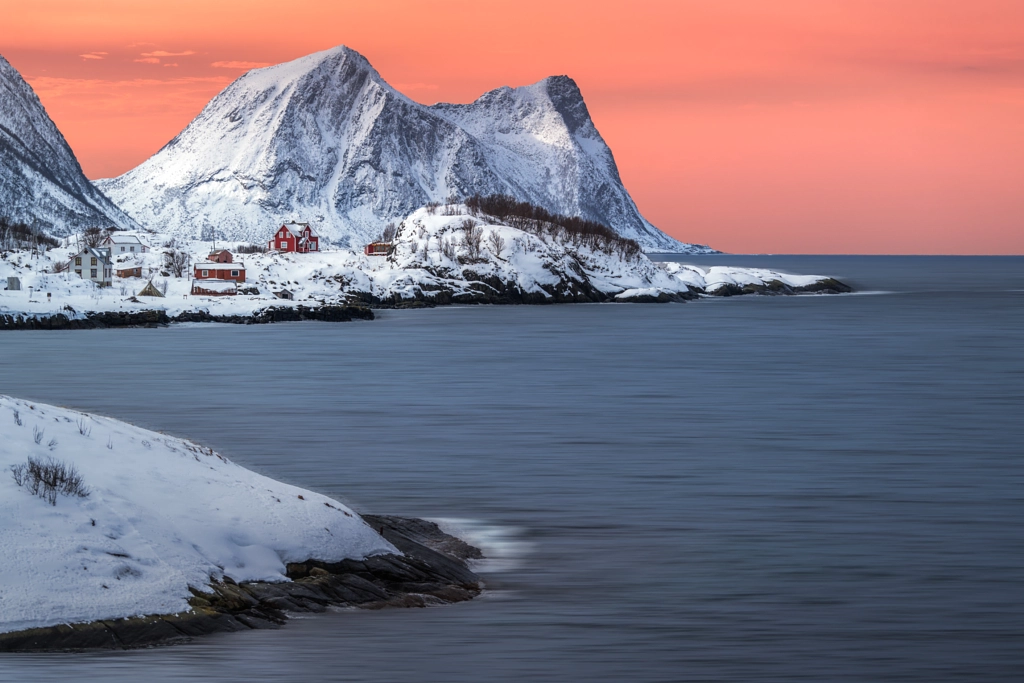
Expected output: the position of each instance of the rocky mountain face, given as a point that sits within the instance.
(324, 139)
(41, 182)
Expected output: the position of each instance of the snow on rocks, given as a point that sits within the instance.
(162, 514)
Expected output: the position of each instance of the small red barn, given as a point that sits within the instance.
(377, 249)
(211, 270)
(297, 237)
(220, 256)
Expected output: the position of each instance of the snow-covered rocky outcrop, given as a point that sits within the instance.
(162, 515)
(41, 182)
(325, 139)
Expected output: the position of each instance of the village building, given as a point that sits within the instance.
(150, 290)
(93, 263)
(220, 256)
(214, 278)
(212, 270)
(123, 244)
(377, 249)
(295, 237)
(129, 271)
(214, 287)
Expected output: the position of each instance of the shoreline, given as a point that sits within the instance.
(434, 570)
(363, 304)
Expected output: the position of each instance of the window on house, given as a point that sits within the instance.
(92, 273)
(284, 245)
(234, 273)
(130, 249)
(78, 272)
(78, 260)
(206, 273)
(122, 248)
(92, 262)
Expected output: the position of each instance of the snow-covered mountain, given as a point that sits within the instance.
(324, 139)
(41, 182)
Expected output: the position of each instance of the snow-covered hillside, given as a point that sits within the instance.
(41, 182)
(162, 514)
(325, 139)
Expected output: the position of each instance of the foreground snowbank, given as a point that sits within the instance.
(163, 514)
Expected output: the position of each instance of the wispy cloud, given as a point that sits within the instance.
(163, 53)
(94, 55)
(148, 60)
(174, 65)
(240, 65)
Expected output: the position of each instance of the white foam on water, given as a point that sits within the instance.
(503, 546)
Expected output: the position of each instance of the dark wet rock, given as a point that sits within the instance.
(110, 319)
(432, 571)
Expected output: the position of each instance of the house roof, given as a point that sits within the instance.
(102, 254)
(298, 228)
(115, 238)
(212, 265)
(215, 285)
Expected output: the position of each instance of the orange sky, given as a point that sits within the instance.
(791, 126)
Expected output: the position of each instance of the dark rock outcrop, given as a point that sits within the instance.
(431, 571)
(107, 319)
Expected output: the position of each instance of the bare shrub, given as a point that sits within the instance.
(448, 249)
(49, 478)
(92, 237)
(496, 242)
(251, 249)
(176, 262)
(432, 207)
(473, 237)
(83, 427)
(389, 233)
(17, 418)
(37, 435)
(60, 266)
(52, 444)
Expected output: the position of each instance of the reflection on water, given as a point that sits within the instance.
(816, 488)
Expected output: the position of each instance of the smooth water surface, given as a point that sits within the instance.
(761, 488)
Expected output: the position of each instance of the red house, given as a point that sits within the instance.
(298, 237)
(211, 270)
(220, 256)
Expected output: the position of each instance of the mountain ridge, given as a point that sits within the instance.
(41, 182)
(325, 139)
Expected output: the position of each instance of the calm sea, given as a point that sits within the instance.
(822, 488)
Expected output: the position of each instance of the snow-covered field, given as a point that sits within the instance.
(162, 514)
(431, 255)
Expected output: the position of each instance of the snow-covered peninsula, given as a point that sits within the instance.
(438, 255)
(160, 526)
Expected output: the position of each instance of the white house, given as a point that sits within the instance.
(93, 263)
(119, 244)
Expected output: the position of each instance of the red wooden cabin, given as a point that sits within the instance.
(377, 249)
(235, 272)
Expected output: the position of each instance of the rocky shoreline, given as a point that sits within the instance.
(361, 304)
(157, 318)
(434, 570)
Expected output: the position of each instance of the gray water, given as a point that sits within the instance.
(770, 489)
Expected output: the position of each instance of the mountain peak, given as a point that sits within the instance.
(324, 137)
